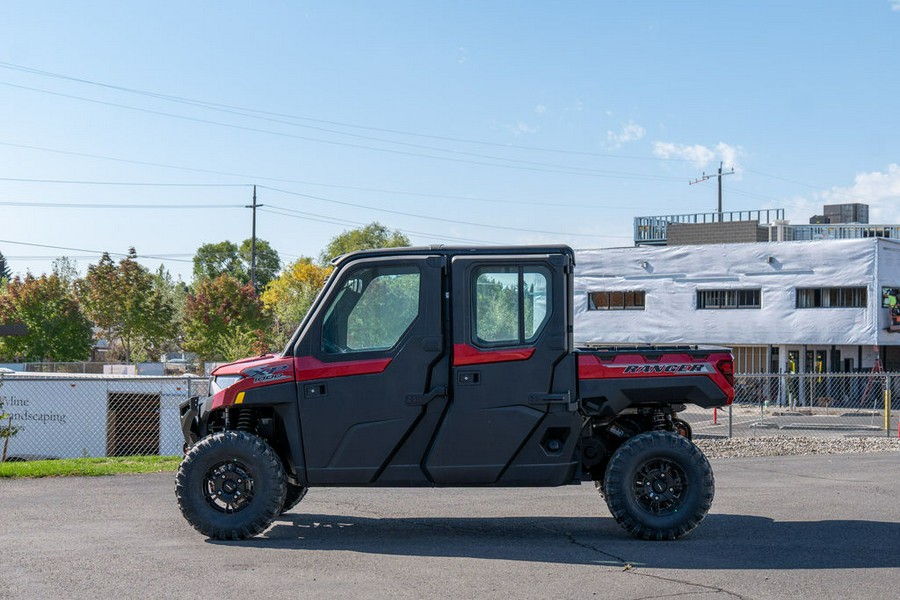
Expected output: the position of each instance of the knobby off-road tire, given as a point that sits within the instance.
(658, 486)
(231, 485)
(295, 493)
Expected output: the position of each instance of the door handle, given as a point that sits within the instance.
(468, 377)
(314, 390)
(423, 399)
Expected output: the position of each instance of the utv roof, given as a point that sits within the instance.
(451, 251)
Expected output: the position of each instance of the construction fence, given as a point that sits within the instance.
(808, 404)
(73, 416)
(70, 416)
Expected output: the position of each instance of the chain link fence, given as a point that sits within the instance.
(809, 404)
(70, 416)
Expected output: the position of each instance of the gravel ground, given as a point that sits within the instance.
(793, 446)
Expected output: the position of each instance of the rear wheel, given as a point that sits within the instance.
(658, 485)
(231, 485)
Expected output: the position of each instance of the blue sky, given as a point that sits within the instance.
(455, 122)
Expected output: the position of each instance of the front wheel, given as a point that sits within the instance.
(658, 486)
(295, 493)
(231, 485)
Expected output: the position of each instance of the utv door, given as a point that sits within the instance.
(511, 419)
(364, 369)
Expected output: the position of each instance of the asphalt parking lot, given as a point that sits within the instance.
(798, 527)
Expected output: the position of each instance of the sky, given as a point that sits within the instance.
(147, 124)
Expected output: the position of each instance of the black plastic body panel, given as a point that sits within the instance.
(612, 396)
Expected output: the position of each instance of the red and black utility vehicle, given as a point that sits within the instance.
(449, 366)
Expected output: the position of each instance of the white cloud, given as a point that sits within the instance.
(631, 132)
(521, 127)
(540, 109)
(880, 190)
(895, 5)
(701, 155)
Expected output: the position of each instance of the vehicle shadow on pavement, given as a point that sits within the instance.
(720, 542)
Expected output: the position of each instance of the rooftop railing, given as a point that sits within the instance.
(654, 230)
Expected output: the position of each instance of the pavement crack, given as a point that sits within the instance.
(711, 589)
(574, 541)
(630, 567)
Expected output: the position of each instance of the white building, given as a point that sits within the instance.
(798, 306)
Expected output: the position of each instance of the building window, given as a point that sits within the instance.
(838, 297)
(728, 298)
(619, 300)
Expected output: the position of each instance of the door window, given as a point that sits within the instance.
(511, 304)
(373, 309)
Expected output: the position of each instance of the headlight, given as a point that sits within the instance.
(222, 382)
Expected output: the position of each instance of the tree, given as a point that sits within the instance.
(218, 313)
(267, 261)
(373, 235)
(5, 273)
(212, 260)
(67, 270)
(289, 296)
(129, 305)
(57, 329)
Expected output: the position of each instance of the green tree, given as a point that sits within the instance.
(212, 260)
(130, 306)
(67, 270)
(222, 309)
(373, 235)
(289, 296)
(57, 329)
(268, 262)
(5, 273)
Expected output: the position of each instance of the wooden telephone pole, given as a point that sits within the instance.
(253, 206)
(719, 177)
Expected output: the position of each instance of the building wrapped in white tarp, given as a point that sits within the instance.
(784, 306)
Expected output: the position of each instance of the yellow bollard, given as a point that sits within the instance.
(887, 411)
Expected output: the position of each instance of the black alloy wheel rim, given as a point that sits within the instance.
(228, 487)
(660, 487)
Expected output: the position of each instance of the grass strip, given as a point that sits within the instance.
(72, 467)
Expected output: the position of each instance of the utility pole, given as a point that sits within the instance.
(719, 176)
(254, 206)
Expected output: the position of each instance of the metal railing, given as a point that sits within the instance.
(810, 404)
(841, 232)
(72, 416)
(654, 230)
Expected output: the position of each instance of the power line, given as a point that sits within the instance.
(255, 113)
(409, 214)
(122, 183)
(100, 252)
(118, 206)
(478, 199)
(296, 214)
(523, 165)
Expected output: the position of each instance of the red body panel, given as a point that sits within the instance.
(255, 372)
(308, 368)
(463, 354)
(675, 364)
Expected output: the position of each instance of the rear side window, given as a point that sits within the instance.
(510, 304)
